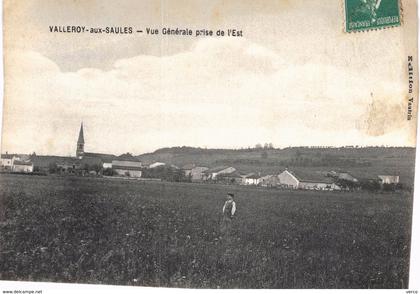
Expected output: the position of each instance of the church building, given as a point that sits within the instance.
(91, 158)
(123, 165)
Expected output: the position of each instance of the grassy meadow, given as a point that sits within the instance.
(94, 230)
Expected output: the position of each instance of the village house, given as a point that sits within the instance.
(156, 164)
(102, 160)
(107, 164)
(288, 180)
(7, 161)
(22, 166)
(187, 169)
(129, 169)
(269, 181)
(389, 179)
(325, 184)
(47, 163)
(342, 175)
(309, 181)
(127, 165)
(251, 179)
(230, 178)
(197, 173)
(213, 173)
(245, 176)
(68, 165)
(347, 176)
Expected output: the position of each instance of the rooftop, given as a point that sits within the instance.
(19, 162)
(234, 174)
(311, 176)
(216, 169)
(188, 166)
(102, 156)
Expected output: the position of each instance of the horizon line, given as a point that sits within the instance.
(229, 149)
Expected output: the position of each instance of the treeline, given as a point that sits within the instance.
(302, 161)
(369, 185)
(53, 168)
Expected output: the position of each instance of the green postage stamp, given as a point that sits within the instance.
(362, 15)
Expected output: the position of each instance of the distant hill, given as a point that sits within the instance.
(362, 162)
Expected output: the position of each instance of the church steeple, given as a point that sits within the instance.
(80, 143)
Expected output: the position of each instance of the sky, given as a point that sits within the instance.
(294, 79)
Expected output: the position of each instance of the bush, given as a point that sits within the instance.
(52, 168)
(109, 172)
(370, 185)
(348, 185)
(389, 187)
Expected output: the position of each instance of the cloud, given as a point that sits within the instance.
(220, 93)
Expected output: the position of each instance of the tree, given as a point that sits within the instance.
(108, 172)
(52, 168)
(389, 187)
(370, 185)
(347, 184)
(96, 167)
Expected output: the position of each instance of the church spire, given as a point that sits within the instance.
(80, 150)
(81, 139)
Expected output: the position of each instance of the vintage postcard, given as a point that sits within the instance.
(209, 144)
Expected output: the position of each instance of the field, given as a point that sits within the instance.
(93, 230)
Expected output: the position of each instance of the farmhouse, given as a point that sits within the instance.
(46, 162)
(326, 184)
(107, 164)
(127, 165)
(99, 159)
(269, 181)
(187, 169)
(157, 164)
(342, 175)
(347, 176)
(230, 178)
(7, 161)
(388, 179)
(68, 165)
(309, 181)
(197, 173)
(251, 179)
(213, 173)
(22, 166)
(288, 180)
(123, 168)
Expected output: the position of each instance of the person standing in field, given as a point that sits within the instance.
(229, 209)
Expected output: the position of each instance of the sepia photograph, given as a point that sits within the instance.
(200, 144)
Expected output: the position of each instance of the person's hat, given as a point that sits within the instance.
(231, 194)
